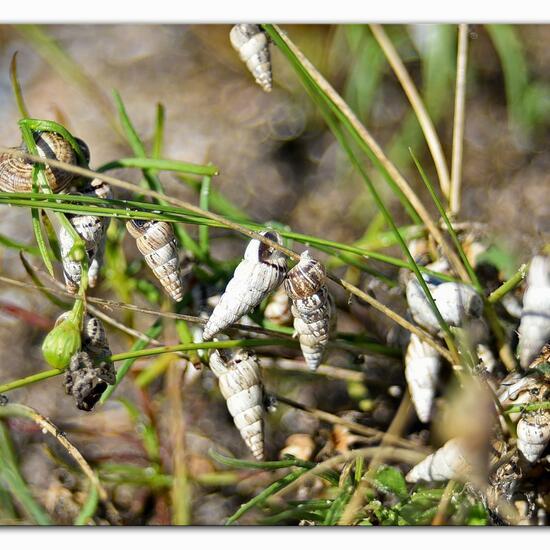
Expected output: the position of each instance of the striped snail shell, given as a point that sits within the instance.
(534, 328)
(93, 231)
(312, 307)
(16, 172)
(448, 462)
(457, 303)
(252, 45)
(278, 309)
(260, 272)
(241, 386)
(156, 241)
(422, 365)
(533, 430)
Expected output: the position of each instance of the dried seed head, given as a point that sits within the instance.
(87, 381)
(261, 271)
(533, 430)
(16, 172)
(240, 384)
(252, 46)
(156, 242)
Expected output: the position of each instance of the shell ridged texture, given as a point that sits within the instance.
(252, 46)
(260, 272)
(448, 462)
(534, 328)
(16, 173)
(241, 386)
(456, 302)
(156, 242)
(93, 231)
(422, 365)
(533, 430)
(312, 308)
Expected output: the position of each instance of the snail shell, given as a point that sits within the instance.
(456, 302)
(93, 231)
(16, 172)
(534, 328)
(156, 241)
(448, 462)
(252, 46)
(260, 272)
(241, 386)
(312, 307)
(533, 430)
(278, 309)
(422, 365)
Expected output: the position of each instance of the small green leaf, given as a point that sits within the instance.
(392, 480)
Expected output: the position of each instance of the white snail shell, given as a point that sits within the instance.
(457, 303)
(533, 430)
(240, 384)
(312, 307)
(16, 172)
(278, 309)
(156, 241)
(534, 328)
(93, 231)
(260, 272)
(252, 46)
(448, 462)
(422, 366)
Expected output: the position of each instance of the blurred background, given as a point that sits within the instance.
(278, 162)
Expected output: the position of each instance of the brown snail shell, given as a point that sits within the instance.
(312, 307)
(16, 172)
(260, 272)
(240, 383)
(156, 241)
(252, 44)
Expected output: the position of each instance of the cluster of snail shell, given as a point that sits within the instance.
(155, 239)
(262, 271)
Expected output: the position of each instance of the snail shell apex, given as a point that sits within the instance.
(260, 272)
(240, 384)
(534, 328)
(422, 366)
(305, 278)
(448, 462)
(16, 172)
(252, 45)
(157, 243)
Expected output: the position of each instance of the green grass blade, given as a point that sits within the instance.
(12, 479)
(204, 241)
(88, 508)
(16, 87)
(160, 164)
(158, 136)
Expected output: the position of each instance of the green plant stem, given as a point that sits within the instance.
(203, 229)
(509, 285)
(160, 164)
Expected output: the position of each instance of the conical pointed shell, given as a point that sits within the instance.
(260, 272)
(533, 431)
(534, 328)
(156, 242)
(240, 384)
(456, 303)
(448, 462)
(422, 366)
(16, 172)
(252, 46)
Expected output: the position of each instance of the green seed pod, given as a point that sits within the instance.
(62, 342)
